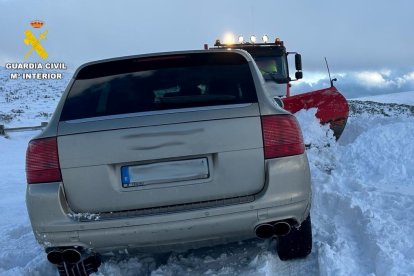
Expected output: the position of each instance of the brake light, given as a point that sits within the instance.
(42, 161)
(281, 136)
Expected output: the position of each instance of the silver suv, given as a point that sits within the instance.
(160, 151)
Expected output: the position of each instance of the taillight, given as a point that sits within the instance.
(42, 162)
(281, 136)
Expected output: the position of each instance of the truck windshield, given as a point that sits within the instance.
(273, 68)
(159, 83)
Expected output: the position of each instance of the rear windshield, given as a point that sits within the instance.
(159, 83)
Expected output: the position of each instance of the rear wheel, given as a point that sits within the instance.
(298, 243)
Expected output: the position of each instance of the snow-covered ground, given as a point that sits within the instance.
(362, 214)
(28, 102)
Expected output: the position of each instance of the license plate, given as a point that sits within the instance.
(164, 172)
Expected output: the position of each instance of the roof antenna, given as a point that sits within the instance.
(329, 73)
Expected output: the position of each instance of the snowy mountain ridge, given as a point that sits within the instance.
(406, 98)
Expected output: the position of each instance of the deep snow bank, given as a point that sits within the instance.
(364, 196)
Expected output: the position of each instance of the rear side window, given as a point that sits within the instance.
(159, 83)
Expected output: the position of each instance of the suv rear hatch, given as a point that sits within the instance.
(158, 131)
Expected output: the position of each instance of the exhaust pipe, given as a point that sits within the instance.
(264, 231)
(69, 258)
(268, 230)
(281, 228)
(54, 256)
(71, 255)
(68, 255)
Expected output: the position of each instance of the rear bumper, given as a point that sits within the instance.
(181, 234)
(286, 196)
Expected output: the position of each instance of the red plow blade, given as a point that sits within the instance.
(332, 107)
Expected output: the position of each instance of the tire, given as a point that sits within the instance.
(297, 244)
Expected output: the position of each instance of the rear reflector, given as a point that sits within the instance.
(42, 162)
(281, 136)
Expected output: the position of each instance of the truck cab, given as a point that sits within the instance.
(272, 61)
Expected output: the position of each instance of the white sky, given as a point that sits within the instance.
(355, 35)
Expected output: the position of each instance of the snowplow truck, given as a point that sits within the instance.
(272, 61)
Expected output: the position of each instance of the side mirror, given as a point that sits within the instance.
(298, 75)
(298, 62)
